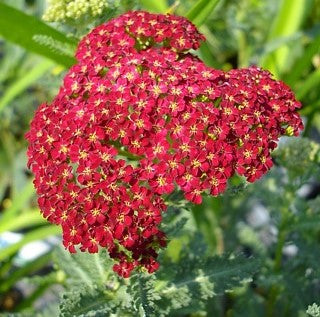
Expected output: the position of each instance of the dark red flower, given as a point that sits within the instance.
(137, 93)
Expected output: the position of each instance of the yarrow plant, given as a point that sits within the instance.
(138, 117)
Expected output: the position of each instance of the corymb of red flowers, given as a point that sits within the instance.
(136, 93)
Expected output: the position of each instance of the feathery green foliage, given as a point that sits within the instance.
(182, 287)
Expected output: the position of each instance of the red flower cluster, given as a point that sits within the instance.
(137, 92)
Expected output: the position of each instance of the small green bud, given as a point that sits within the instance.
(289, 131)
(61, 276)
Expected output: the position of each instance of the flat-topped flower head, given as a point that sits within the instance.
(136, 31)
(137, 93)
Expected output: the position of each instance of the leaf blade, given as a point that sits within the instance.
(25, 220)
(22, 83)
(287, 22)
(201, 10)
(19, 28)
(304, 62)
(312, 81)
(34, 235)
(159, 6)
(18, 203)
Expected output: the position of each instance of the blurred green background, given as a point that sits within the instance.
(276, 219)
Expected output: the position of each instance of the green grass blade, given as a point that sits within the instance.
(18, 203)
(304, 62)
(288, 21)
(27, 269)
(20, 28)
(33, 235)
(28, 301)
(25, 220)
(201, 10)
(159, 6)
(207, 56)
(22, 83)
(313, 81)
(277, 43)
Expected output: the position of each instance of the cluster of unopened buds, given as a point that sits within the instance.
(138, 117)
(62, 10)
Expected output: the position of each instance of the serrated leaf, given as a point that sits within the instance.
(139, 289)
(86, 302)
(224, 272)
(92, 287)
(174, 221)
(180, 288)
(187, 286)
(84, 268)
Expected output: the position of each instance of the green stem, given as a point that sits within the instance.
(279, 250)
(271, 301)
(275, 289)
(129, 155)
(124, 152)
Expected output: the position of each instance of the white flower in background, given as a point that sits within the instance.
(313, 310)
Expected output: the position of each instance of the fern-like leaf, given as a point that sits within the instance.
(196, 280)
(85, 302)
(85, 268)
(139, 288)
